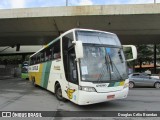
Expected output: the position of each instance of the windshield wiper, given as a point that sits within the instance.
(103, 70)
(112, 63)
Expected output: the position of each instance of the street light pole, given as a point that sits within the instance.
(154, 1)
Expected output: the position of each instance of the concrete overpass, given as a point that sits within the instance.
(134, 24)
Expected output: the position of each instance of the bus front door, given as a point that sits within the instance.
(72, 91)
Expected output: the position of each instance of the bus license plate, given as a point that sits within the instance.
(110, 96)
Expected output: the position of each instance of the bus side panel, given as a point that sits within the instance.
(57, 74)
(38, 75)
(45, 74)
(30, 75)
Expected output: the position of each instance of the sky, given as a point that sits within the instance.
(10, 4)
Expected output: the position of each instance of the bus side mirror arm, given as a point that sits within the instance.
(78, 49)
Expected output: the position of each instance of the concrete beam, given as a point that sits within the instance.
(23, 49)
(81, 11)
(37, 26)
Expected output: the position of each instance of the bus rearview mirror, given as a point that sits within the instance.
(130, 52)
(79, 49)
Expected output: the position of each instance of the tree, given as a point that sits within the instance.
(145, 54)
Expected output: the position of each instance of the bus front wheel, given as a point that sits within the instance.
(58, 92)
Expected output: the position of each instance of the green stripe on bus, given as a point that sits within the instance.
(111, 84)
(43, 74)
(47, 72)
(116, 84)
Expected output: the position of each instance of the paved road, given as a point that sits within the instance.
(20, 95)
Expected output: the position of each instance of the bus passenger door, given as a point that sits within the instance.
(72, 91)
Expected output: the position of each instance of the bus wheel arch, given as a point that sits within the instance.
(58, 91)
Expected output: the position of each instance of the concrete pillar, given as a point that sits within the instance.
(155, 58)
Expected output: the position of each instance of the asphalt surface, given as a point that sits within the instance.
(19, 95)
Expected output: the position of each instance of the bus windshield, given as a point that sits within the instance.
(103, 59)
(103, 64)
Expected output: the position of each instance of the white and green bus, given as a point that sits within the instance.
(82, 65)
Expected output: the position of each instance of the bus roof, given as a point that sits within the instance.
(74, 29)
(81, 29)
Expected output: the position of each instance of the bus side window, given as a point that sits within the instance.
(72, 66)
(38, 58)
(48, 54)
(30, 61)
(55, 50)
(52, 52)
(42, 57)
(57, 55)
(34, 60)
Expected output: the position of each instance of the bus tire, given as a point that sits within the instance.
(58, 92)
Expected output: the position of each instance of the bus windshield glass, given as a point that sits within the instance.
(103, 64)
(93, 37)
(103, 59)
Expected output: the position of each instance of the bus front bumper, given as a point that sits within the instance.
(86, 98)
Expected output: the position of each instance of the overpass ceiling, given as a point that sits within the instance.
(131, 23)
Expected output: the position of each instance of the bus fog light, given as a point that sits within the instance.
(87, 89)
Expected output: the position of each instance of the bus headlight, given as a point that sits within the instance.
(87, 89)
(126, 85)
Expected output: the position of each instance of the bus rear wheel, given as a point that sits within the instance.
(58, 92)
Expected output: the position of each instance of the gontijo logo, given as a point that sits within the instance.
(34, 68)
